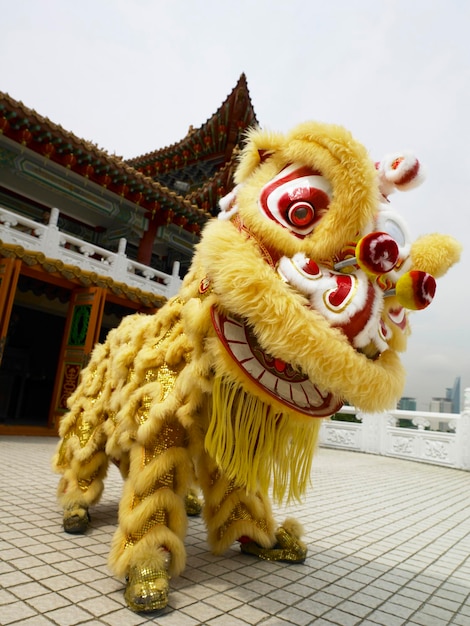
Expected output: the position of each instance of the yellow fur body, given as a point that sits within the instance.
(163, 398)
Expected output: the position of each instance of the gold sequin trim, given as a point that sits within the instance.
(163, 375)
(84, 483)
(151, 374)
(160, 518)
(167, 379)
(84, 430)
(165, 481)
(287, 548)
(240, 512)
(147, 589)
(169, 436)
(62, 455)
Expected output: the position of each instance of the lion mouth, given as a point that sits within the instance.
(280, 380)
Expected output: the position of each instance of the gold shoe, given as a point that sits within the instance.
(192, 504)
(287, 548)
(76, 521)
(147, 589)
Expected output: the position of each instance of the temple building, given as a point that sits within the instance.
(87, 237)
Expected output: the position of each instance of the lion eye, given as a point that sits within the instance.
(296, 199)
(301, 214)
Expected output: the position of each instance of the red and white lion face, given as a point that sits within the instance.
(350, 288)
(350, 294)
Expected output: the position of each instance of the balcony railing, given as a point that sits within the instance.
(56, 244)
(439, 438)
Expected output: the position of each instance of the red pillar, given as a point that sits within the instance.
(144, 254)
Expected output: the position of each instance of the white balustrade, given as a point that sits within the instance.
(438, 438)
(55, 244)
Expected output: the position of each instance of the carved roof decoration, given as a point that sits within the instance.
(208, 195)
(202, 163)
(180, 183)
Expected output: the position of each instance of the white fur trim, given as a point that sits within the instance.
(228, 206)
(406, 175)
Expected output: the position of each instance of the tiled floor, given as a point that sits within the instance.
(389, 544)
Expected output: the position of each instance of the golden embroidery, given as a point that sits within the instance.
(167, 379)
(84, 430)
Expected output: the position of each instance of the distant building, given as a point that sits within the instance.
(407, 404)
(453, 394)
(440, 405)
(451, 402)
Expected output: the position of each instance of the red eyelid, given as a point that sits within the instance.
(315, 196)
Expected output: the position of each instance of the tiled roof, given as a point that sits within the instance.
(197, 161)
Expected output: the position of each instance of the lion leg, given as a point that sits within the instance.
(80, 457)
(83, 463)
(230, 512)
(233, 514)
(148, 545)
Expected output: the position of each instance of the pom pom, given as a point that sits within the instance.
(400, 171)
(415, 290)
(377, 253)
(293, 527)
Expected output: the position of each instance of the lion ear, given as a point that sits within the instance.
(435, 253)
(263, 155)
(259, 146)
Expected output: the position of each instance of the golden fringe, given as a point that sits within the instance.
(257, 445)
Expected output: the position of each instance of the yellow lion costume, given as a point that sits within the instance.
(296, 301)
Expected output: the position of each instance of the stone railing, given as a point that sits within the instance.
(439, 438)
(55, 244)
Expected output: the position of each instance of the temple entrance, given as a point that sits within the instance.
(29, 366)
(48, 328)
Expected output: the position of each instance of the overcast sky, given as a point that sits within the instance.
(133, 75)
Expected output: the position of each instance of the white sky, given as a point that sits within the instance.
(133, 75)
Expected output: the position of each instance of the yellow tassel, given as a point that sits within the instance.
(255, 445)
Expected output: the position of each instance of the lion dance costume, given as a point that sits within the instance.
(296, 301)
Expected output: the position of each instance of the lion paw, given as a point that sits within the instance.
(147, 589)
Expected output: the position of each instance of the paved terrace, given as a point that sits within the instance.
(389, 544)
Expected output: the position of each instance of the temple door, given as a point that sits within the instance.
(82, 331)
(9, 272)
